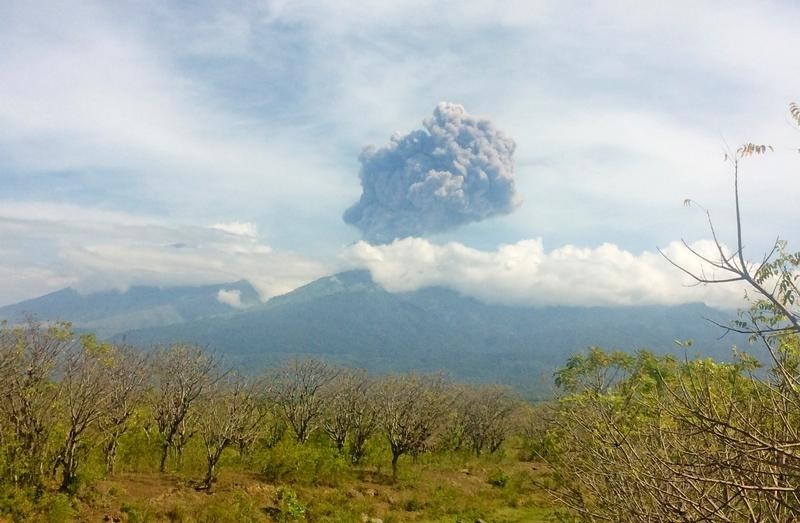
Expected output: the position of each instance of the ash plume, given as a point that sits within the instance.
(457, 170)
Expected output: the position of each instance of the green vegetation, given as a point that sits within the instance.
(655, 438)
(93, 431)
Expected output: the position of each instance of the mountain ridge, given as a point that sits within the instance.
(348, 318)
(110, 312)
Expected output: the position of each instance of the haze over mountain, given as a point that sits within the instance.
(111, 312)
(350, 319)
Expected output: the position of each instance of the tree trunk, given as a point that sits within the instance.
(70, 464)
(164, 451)
(179, 456)
(395, 457)
(212, 460)
(209, 479)
(111, 454)
(357, 449)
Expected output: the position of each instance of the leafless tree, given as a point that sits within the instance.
(183, 373)
(31, 395)
(485, 415)
(297, 389)
(773, 280)
(8, 358)
(85, 396)
(230, 413)
(410, 409)
(349, 412)
(364, 421)
(127, 379)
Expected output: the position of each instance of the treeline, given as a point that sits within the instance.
(62, 396)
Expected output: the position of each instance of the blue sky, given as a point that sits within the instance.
(233, 130)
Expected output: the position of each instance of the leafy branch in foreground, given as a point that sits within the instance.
(651, 438)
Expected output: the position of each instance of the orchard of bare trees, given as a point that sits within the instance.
(66, 398)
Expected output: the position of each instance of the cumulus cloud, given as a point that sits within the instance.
(231, 297)
(456, 170)
(524, 273)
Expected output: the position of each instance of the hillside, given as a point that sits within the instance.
(348, 318)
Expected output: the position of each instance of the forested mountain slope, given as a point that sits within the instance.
(350, 319)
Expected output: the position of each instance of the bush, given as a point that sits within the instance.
(234, 509)
(135, 513)
(291, 508)
(16, 503)
(308, 464)
(57, 508)
(498, 478)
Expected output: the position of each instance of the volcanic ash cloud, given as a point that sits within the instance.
(457, 170)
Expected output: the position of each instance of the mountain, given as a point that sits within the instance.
(350, 319)
(112, 312)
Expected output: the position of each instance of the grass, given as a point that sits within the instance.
(311, 482)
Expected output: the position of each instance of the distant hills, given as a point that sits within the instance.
(350, 319)
(111, 312)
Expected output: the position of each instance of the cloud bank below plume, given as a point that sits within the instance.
(524, 274)
(458, 169)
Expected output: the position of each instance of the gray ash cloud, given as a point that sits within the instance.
(457, 170)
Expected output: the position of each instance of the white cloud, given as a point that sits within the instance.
(231, 297)
(525, 274)
(237, 228)
(20, 282)
(105, 250)
(101, 96)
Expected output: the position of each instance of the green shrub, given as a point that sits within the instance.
(498, 478)
(538, 447)
(135, 513)
(179, 512)
(57, 508)
(16, 503)
(236, 508)
(309, 464)
(291, 508)
(413, 505)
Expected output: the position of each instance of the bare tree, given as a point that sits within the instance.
(773, 280)
(8, 358)
(363, 419)
(31, 395)
(127, 378)
(297, 389)
(230, 413)
(485, 412)
(349, 411)
(410, 409)
(85, 395)
(182, 374)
